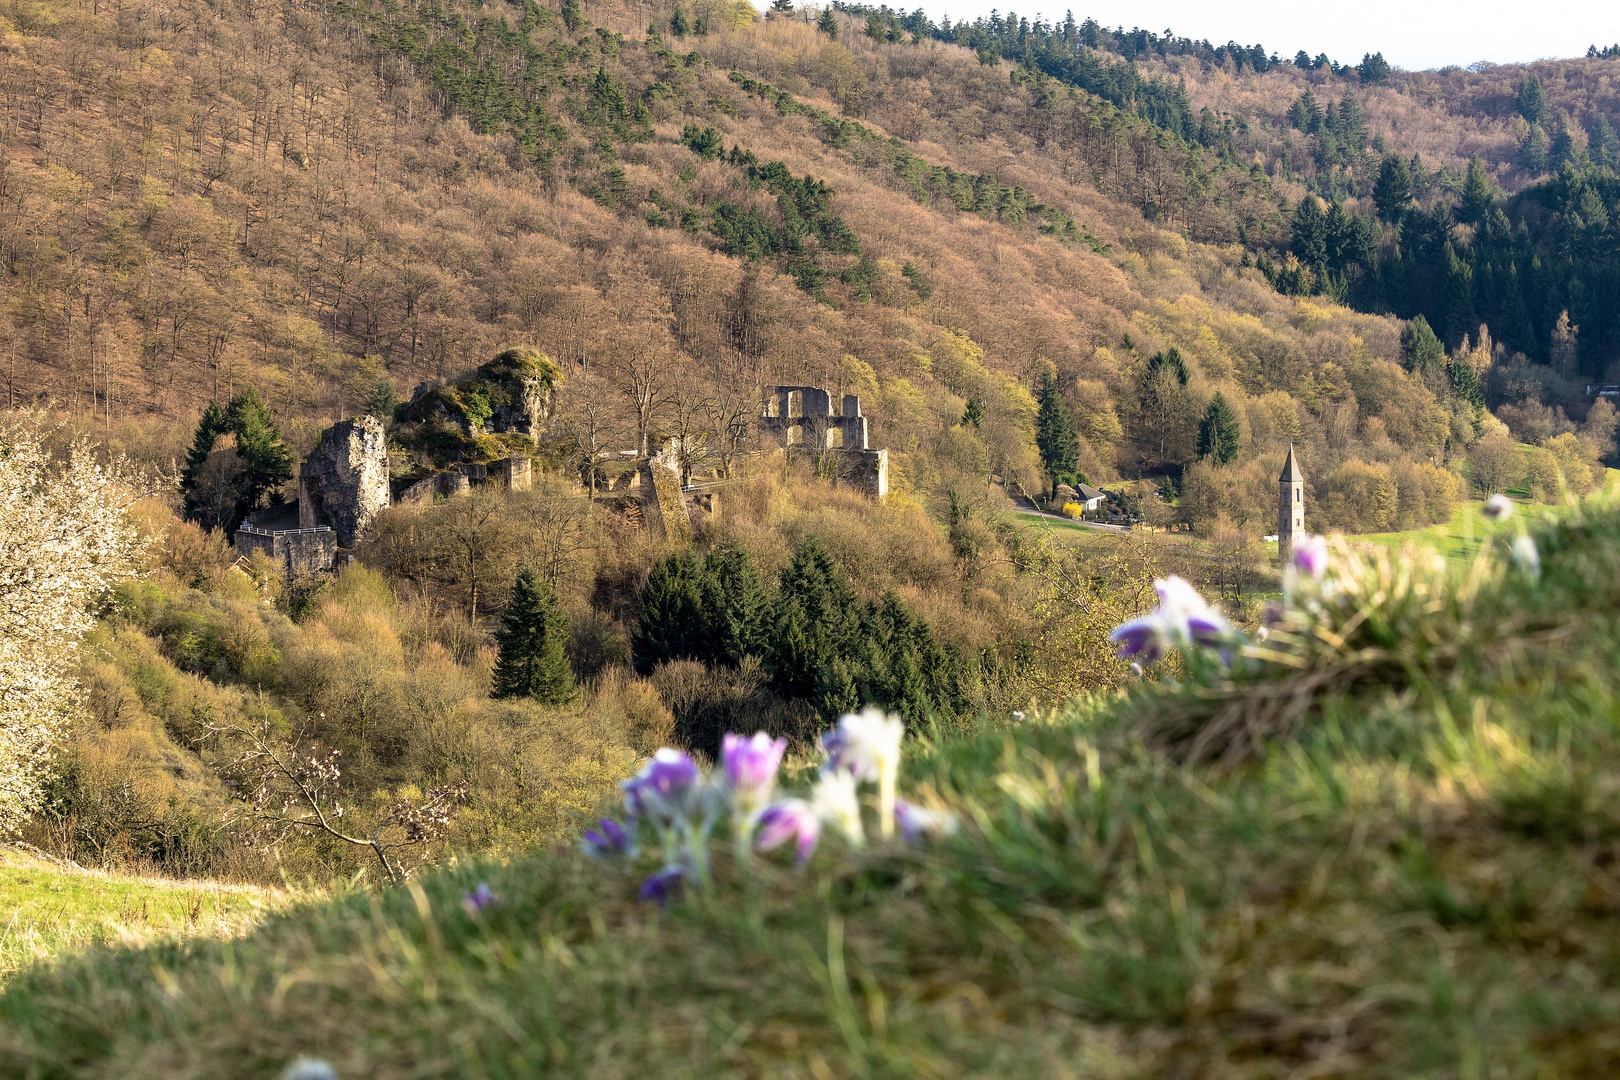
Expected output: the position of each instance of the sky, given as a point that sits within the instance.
(1412, 34)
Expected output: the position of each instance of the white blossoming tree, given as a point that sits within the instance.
(65, 537)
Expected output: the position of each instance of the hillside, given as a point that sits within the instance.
(336, 205)
(56, 910)
(1414, 876)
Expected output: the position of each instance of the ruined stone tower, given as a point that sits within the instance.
(1290, 505)
(802, 417)
(344, 484)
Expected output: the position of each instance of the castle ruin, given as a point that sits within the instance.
(802, 417)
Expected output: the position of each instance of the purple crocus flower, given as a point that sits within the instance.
(751, 766)
(917, 822)
(1143, 637)
(663, 886)
(479, 900)
(1309, 556)
(789, 819)
(609, 840)
(662, 786)
(1208, 627)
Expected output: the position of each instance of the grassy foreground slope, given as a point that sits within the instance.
(49, 909)
(1424, 882)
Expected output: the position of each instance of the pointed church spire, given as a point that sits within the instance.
(1291, 473)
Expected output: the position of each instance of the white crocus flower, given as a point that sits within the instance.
(867, 746)
(834, 801)
(1526, 557)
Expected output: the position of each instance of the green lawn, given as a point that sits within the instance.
(1460, 539)
(48, 910)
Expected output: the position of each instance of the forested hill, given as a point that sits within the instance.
(334, 203)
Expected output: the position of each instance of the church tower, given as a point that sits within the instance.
(1290, 506)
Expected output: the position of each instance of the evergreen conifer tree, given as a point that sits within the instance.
(815, 621)
(266, 461)
(1602, 144)
(209, 429)
(1374, 69)
(1421, 181)
(783, 7)
(382, 401)
(1533, 154)
(671, 624)
(1393, 189)
(828, 23)
(1056, 436)
(1465, 383)
(734, 606)
(973, 414)
(1477, 194)
(571, 16)
(1419, 347)
(1532, 100)
(532, 661)
(679, 24)
(1562, 151)
(1219, 436)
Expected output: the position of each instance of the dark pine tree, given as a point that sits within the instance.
(815, 625)
(1532, 100)
(1374, 69)
(1477, 194)
(1056, 436)
(532, 662)
(973, 415)
(1533, 154)
(1393, 190)
(828, 23)
(733, 606)
(672, 625)
(1465, 383)
(266, 462)
(1219, 436)
(1420, 349)
(571, 15)
(209, 429)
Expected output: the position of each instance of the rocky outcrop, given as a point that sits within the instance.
(344, 483)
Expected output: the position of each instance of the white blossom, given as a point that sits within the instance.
(64, 540)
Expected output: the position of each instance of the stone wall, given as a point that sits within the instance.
(344, 483)
(515, 473)
(803, 416)
(299, 551)
(662, 507)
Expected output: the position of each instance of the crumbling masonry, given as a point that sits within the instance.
(802, 417)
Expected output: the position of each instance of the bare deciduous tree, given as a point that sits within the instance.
(291, 785)
(589, 420)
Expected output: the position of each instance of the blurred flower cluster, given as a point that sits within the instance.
(1350, 618)
(681, 804)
